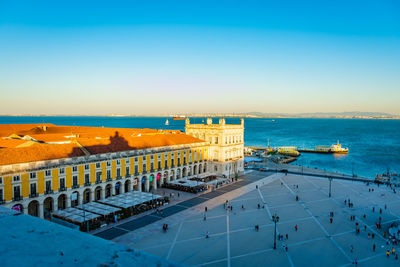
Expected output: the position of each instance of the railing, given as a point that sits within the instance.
(2, 201)
(62, 189)
(32, 195)
(88, 184)
(119, 177)
(47, 192)
(159, 169)
(144, 172)
(109, 179)
(75, 186)
(99, 181)
(17, 198)
(152, 170)
(136, 173)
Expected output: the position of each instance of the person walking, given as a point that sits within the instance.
(296, 227)
(373, 247)
(207, 234)
(387, 253)
(287, 236)
(330, 219)
(351, 248)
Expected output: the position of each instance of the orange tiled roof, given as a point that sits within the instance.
(54, 142)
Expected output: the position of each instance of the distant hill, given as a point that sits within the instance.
(351, 114)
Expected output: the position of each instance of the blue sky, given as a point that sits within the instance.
(158, 57)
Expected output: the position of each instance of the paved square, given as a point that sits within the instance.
(233, 240)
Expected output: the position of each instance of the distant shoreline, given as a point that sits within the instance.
(207, 115)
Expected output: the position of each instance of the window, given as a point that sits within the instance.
(216, 140)
(179, 161)
(1, 180)
(152, 157)
(118, 162)
(86, 166)
(108, 174)
(136, 170)
(75, 168)
(98, 177)
(159, 164)
(127, 171)
(127, 161)
(166, 164)
(75, 180)
(144, 167)
(108, 164)
(47, 173)
(48, 186)
(136, 159)
(17, 192)
(118, 172)
(33, 189)
(62, 183)
(62, 170)
(172, 162)
(1, 195)
(98, 165)
(87, 178)
(32, 175)
(151, 166)
(16, 178)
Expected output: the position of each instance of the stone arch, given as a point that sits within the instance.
(190, 171)
(143, 183)
(98, 193)
(205, 167)
(178, 173)
(127, 186)
(184, 172)
(195, 170)
(18, 207)
(152, 182)
(108, 190)
(200, 168)
(75, 198)
(159, 179)
(48, 206)
(33, 208)
(136, 184)
(86, 195)
(172, 175)
(62, 202)
(165, 178)
(118, 188)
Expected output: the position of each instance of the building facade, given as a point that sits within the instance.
(44, 168)
(226, 145)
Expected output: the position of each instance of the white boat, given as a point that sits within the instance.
(167, 122)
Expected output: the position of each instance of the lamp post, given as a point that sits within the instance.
(330, 186)
(275, 219)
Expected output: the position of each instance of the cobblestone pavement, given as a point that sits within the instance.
(233, 240)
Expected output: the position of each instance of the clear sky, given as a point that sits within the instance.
(152, 57)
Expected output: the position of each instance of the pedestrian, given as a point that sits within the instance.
(345, 202)
(385, 206)
(393, 251)
(207, 234)
(286, 248)
(373, 209)
(364, 216)
(373, 235)
(204, 218)
(231, 208)
(296, 227)
(351, 248)
(396, 257)
(365, 228)
(380, 211)
(242, 207)
(178, 194)
(330, 219)
(287, 236)
(205, 209)
(258, 205)
(387, 253)
(373, 247)
(369, 235)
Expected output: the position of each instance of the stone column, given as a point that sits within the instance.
(147, 185)
(67, 201)
(155, 182)
(40, 210)
(91, 196)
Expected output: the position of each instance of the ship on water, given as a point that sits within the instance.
(336, 148)
(178, 118)
(167, 122)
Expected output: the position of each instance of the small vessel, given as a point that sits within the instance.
(288, 151)
(167, 122)
(178, 118)
(337, 148)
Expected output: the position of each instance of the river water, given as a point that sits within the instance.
(374, 145)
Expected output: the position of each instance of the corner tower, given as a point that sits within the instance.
(225, 145)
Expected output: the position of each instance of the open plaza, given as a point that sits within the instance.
(226, 234)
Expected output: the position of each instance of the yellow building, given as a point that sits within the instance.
(44, 167)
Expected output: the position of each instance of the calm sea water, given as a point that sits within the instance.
(374, 144)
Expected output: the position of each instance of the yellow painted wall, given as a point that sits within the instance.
(68, 177)
(81, 175)
(140, 164)
(182, 157)
(148, 163)
(55, 183)
(25, 185)
(113, 169)
(155, 162)
(93, 173)
(132, 165)
(104, 171)
(176, 158)
(123, 169)
(40, 182)
(8, 189)
(169, 159)
(162, 160)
